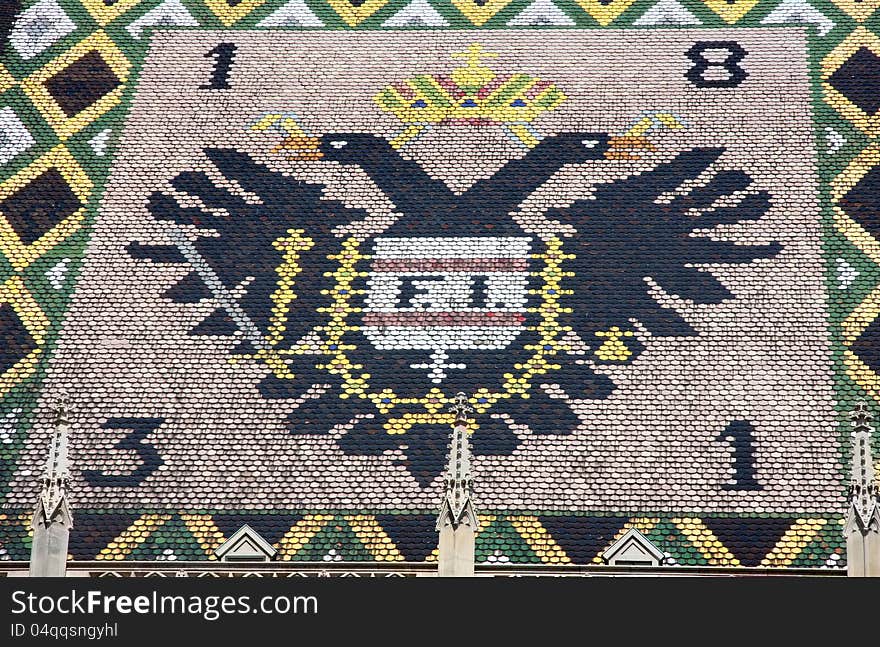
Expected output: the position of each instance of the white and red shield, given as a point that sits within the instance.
(443, 294)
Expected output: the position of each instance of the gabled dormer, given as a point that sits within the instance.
(633, 549)
(245, 545)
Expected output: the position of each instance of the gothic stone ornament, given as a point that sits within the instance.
(52, 504)
(306, 254)
(458, 480)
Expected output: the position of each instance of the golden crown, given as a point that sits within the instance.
(471, 95)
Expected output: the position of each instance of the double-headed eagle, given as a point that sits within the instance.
(628, 233)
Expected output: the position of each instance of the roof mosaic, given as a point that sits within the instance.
(705, 407)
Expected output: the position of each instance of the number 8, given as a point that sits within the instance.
(735, 74)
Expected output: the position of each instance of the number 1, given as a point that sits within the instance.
(223, 55)
(739, 434)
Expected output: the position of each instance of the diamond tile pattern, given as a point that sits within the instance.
(40, 205)
(46, 29)
(858, 79)
(82, 83)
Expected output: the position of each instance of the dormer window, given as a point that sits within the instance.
(633, 549)
(245, 545)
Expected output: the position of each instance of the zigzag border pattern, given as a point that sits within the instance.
(556, 539)
(118, 33)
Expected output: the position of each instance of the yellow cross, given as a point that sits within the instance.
(473, 54)
(473, 74)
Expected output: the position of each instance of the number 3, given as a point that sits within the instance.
(735, 74)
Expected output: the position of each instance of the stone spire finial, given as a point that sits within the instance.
(861, 415)
(461, 408)
(52, 518)
(52, 505)
(862, 485)
(457, 507)
(457, 522)
(862, 528)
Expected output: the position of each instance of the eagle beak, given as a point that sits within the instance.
(628, 147)
(300, 148)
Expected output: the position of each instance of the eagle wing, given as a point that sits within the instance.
(239, 248)
(642, 227)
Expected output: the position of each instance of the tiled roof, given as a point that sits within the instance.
(705, 408)
(778, 542)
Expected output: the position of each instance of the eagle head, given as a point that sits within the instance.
(345, 148)
(571, 148)
(577, 148)
(562, 148)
